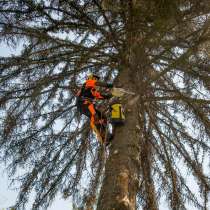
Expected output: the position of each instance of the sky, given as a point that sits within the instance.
(7, 193)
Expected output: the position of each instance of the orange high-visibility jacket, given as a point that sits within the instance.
(88, 90)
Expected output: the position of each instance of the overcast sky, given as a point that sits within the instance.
(7, 194)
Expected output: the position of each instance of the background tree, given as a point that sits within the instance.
(158, 49)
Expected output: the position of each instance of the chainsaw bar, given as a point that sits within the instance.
(119, 92)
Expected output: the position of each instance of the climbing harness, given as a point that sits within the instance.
(114, 114)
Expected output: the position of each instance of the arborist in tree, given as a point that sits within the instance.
(86, 97)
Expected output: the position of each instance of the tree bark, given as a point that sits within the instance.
(120, 182)
(122, 170)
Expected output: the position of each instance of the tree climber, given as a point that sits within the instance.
(85, 104)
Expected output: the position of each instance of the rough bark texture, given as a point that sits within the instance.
(120, 183)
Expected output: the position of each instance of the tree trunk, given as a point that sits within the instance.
(120, 182)
(121, 179)
(122, 170)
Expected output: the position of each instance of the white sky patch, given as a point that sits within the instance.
(6, 50)
(68, 36)
(8, 194)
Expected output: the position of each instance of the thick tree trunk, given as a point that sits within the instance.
(121, 179)
(122, 170)
(120, 183)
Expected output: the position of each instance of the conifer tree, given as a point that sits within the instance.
(158, 49)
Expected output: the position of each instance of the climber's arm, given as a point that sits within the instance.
(104, 84)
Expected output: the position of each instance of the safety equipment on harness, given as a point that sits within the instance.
(113, 114)
(117, 114)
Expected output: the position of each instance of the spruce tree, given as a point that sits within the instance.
(158, 49)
